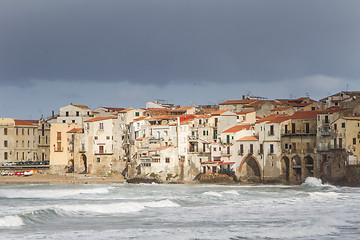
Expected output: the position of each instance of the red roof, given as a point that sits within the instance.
(22, 123)
(163, 148)
(232, 102)
(204, 116)
(305, 115)
(182, 109)
(237, 128)
(218, 112)
(244, 112)
(270, 117)
(254, 104)
(248, 138)
(100, 119)
(114, 109)
(75, 130)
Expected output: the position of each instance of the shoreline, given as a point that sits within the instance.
(98, 179)
(61, 179)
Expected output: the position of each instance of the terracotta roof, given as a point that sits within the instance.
(142, 138)
(163, 148)
(80, 106)
(281, 108)
(305, 115)
(75, 130)
(22, 123)
(334, 109)
(352, 118)
(270, 117)
(139, 119)
(244, 112)
(248, 138)
(153, 112)
(233, 102)
(254, 104)
(32, 121)
(114, 109)
(279, 119)
(100, 119)
(126, 110)
(218, 112)
(159, 118)
(237, 128)
(204, 116)
(182, 109)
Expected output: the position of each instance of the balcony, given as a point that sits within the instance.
(154, 140)
(193, 138)
(300, 132)
(58, 149)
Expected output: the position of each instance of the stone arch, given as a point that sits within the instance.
(84, 162)
(250, 169)
(285, 168)
(309, 166)
(296, 167)
(71, 166)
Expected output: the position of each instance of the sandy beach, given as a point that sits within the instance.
(61, 179)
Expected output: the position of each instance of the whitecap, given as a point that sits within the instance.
(231, 192)
(113, 208)
(11, 221)
(211, 193)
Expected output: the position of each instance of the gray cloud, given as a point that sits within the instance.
(164, 41)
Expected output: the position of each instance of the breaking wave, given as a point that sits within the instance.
(53, 194)
(211, 193)
(125, 207)
(11, 221)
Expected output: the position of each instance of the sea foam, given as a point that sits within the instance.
(113, 208)
(11, 221)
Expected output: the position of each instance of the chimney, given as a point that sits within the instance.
(243, 97)
(53, 114)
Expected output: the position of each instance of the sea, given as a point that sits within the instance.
(312, 210)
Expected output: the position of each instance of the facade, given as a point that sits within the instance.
(17, 141)
(74, 114)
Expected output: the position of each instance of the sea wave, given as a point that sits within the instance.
(113, 208)
(212, 193)
(52, 194)
(11, 221)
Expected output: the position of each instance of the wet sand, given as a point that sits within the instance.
(61, 179)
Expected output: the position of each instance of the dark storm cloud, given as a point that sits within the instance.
(183, 40)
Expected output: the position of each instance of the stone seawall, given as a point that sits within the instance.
(353, 175)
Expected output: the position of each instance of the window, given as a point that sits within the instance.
(227, 139)
(286, 146)
(28, 131)
(77, 113)
(5, 155)
(271, 130)
(101, 149)
(343, 125)
(73, 121)
(307, 127)
(335, 143)
(271, 148)
(167, 160)
(98, 159)
(17, 143)
(23, 144)
(107, 137)
(46, 140)
(228, 150)
(199, 121)
(5, 143)
(340, 143)
(354, 141)
(22, 131)
(5, 131)
(251, 149)
(58, 147)
(58, 136)
(28, 144)
(312, 108)
(293, 128)
(326, 119)
(101, 126)
(216, 122)
(17, 155)
(335, 126)
(64, 121)
(204, 132)
(241, 151)
(96, 137)
(17, 131)
(214, 149)
(67, 114)
(137, 114)
(261, 148)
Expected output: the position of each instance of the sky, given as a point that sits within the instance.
(119, 53)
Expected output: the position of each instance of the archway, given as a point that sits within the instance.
(296, 166)
(250, 169)
(71, 166)
(285, 168)
(309, 166)
(84, 160)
